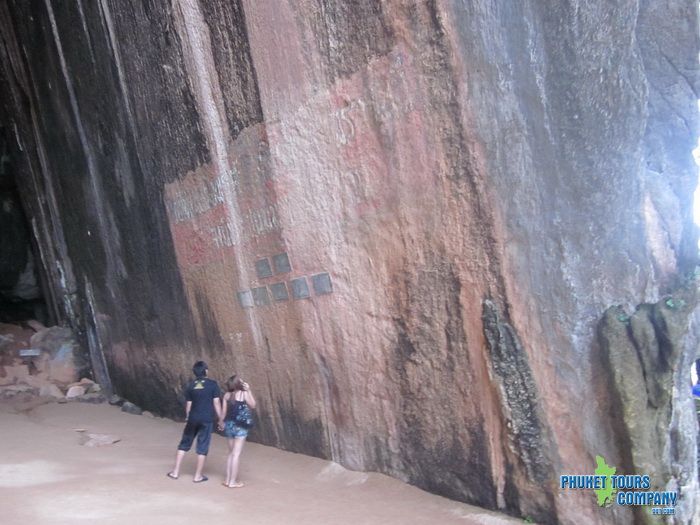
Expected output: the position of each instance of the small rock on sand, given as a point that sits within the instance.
(93, 397)
(130, 408)
(99, 440)
(75, 391)
(116, 400)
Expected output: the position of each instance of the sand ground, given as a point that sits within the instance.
(48, 478)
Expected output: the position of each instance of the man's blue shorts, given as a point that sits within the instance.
(203, 433)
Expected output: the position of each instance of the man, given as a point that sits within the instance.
(202, 397)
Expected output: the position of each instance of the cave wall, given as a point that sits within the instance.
(451, 192)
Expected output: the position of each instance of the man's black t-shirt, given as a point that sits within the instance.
(202, 392)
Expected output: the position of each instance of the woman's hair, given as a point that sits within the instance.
(233, 383)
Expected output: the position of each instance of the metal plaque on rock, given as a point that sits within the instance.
(322, 284)
(300, 290)
(260, 296)
(281, 263)
(279, 291)
(263, 269)
(245, 298)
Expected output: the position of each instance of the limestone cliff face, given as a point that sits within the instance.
(400, 221)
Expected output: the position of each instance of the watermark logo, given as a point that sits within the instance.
(611, 488)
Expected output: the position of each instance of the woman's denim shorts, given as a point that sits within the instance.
(233, 431)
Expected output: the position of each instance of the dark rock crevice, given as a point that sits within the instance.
(528, 432)
(22, 281)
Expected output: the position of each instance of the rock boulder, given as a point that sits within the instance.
(64, 362)
(130, 408)
(75, 392)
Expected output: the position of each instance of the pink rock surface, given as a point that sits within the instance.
(399, 221)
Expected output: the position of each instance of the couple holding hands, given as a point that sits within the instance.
(203, 401)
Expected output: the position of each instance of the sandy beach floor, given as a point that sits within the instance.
(48, 477)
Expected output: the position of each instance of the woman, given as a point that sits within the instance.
(238, 394)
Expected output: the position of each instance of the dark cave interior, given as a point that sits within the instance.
(21, 296)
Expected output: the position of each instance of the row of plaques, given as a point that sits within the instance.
(280, 264)
(279, 292)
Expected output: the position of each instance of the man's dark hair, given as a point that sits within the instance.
(199, 369)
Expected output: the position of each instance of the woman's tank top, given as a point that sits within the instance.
(233, 407)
